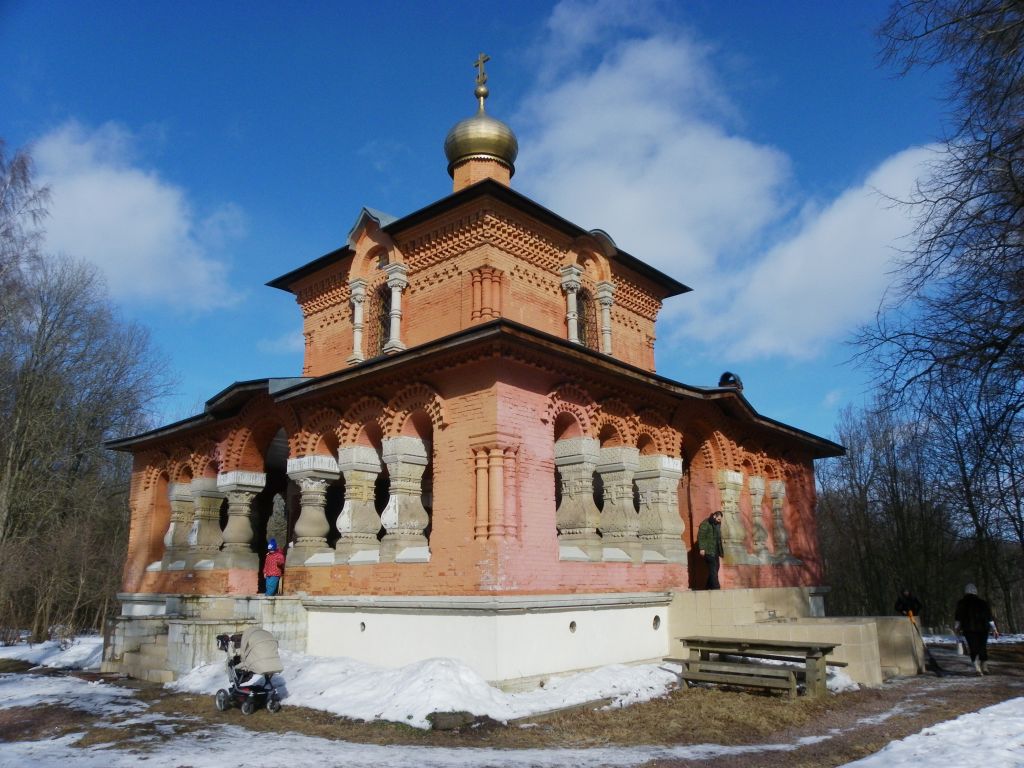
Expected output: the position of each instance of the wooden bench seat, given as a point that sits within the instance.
(810, 655)
(738, 673)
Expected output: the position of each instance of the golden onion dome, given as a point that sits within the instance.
(481, 135)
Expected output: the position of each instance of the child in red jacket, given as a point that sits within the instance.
(273, 567)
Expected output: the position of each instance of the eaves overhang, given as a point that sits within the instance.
(505, 194)
(565, 353)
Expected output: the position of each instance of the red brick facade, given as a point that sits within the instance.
(466, 346)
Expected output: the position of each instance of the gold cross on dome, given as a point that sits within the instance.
(481, 76)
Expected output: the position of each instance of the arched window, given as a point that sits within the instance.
(379, 326)
(586, 326)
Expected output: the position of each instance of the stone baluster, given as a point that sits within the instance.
(755, 486)
(577, 517)
(176, 540)
(397, 282)
(358, 523)
(777, 489)
(604, 294)
(207, 501)
(405, 517)
(661, 527)
(312, 474)
(571, 284)
(620, 523)
(730, 486)
(357, 290)
(241, 488)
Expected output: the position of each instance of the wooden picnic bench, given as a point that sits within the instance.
(698, 667)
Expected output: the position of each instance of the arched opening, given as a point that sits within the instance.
(161, 531)
(379, 325)
(586, 325)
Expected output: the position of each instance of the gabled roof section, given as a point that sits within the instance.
(503, 193)
(379, 218)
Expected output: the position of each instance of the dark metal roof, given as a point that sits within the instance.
(729, 398)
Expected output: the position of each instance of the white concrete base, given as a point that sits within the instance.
(320, 558)
(501, 638)
(154, 566)
(615, 555)
(572, 554)
(365, 556)
(413, 555)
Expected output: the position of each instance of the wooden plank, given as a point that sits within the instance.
(742, 668)
(746, 641)
(746, 681)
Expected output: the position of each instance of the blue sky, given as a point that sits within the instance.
(197, 150)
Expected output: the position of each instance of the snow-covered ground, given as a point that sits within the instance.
(992, 737)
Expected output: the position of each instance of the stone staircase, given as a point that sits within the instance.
(139, 650)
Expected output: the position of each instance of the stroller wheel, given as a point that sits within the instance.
(248, 707)
(273, 705)
(222, 700)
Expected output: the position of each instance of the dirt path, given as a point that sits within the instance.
(864, 722)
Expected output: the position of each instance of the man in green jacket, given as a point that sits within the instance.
(709, 543)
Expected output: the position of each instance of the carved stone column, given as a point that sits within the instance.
(755, 485)
(312, 474)
(661, 527)
(176, 540)
(405, 518)
(577, 516)
(730, 486)
(241, 488)
(357, 289)
(605, 292)
(777, 489)
(397, 282)
(620, 523)
(206, 500)
(358, 523)
(571, 284)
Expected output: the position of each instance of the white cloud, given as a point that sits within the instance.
(642, 144)
(286, 343)
(138, 228)
(816, 286)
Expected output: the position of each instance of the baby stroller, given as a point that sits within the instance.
(250, 672)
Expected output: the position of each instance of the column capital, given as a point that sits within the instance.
(397, 275)
(357, 289)
(571, 275)
(241, 480)
(410, 450)
(659, 465)
(206, 487)
(363, 458)
(604, 291)
(573, 450)
(619, 458)
(315, 466)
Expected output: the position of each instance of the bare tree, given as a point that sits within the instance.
(72, 375)
(959, 305)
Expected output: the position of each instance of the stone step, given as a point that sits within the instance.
(159, 675)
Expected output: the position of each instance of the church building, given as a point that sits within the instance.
(478, 458)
